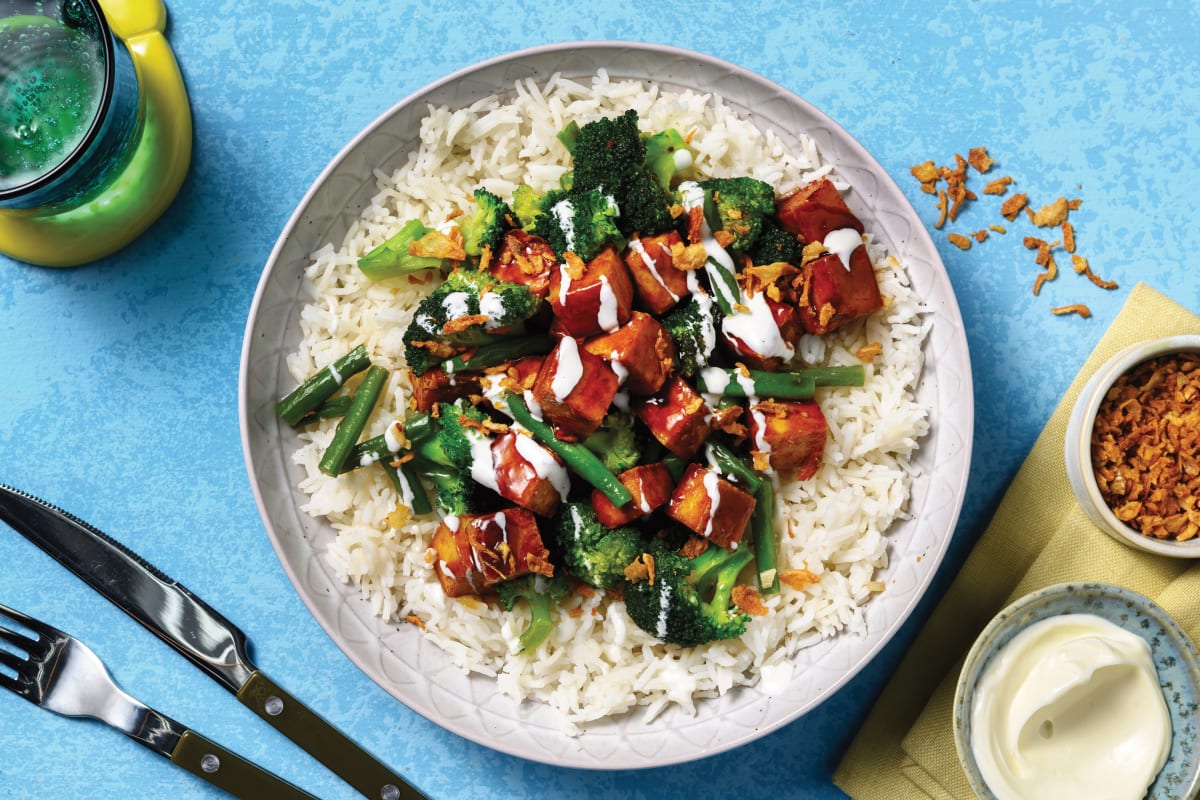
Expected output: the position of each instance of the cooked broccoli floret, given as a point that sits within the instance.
(441, 448)
(693, 327)
(688, 602)
(775, 244)
(606, 151)
(542, 594)
(739, 206)
(667, 154)
(486, 304)
(615, 442)
(485, 226)
(526, 205)
(612, 156)
(591, 552)
(581, 221)
(645, 207)
(392, 258)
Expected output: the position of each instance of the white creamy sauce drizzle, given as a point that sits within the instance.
(693, 197)
(714, 380)
(760, 437)
(456, 306)
(621, 401)
(483, 464)
(333, 371)
(1070, 707)
(502, 523)
(712, 488)
(545, 465)
(619, 369)
(491, 305)
(606, 317)
(406, 490)
(492, 387)
(664, 606)
(843, 242)
(564, 213)
(535, 408)
(708, 326)
(637, 247)
(756, 328)
(393, 437)
(569, 371)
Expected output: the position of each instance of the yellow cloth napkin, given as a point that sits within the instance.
(1038, 537)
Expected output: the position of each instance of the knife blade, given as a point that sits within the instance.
(197, 631)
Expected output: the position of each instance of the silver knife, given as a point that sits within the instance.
(197, 631)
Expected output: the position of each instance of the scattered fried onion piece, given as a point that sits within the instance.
(959, 241)
(998, 186)
(1051, 215)
(979, 159)
(799, 578)
(746, 598)
(1013, 205)
(868, 352)
(1075, 308)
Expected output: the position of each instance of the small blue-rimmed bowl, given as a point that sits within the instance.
(1174, 654)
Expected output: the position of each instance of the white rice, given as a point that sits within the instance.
(597, 662)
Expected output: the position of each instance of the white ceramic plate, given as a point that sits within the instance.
(416, 672)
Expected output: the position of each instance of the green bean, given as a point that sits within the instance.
(795, 385)
(766, 543)
(583, 461)
(729, 463)
(321, 386)
(351, 425)
(498, 351)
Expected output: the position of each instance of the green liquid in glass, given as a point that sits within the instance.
(51, 86)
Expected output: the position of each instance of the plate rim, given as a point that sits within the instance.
(948, 310)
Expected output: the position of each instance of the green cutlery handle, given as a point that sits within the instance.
(324, 742)
(229, 771)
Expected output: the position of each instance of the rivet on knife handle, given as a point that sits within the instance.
(323, 741)
(229, 771)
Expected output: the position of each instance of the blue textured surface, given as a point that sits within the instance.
(118, 396)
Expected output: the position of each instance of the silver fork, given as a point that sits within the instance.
(60, 673)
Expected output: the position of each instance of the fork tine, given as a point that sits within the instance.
(32, 624)
(14, 638)
(11, 661)
(13, 685)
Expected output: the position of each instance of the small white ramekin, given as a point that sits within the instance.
(1078, 445)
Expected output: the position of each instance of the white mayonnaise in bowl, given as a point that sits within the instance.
(1080, 690)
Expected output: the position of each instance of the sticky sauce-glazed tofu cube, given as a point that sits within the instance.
(641, 350)
(476, 551)
(711, 506)
(658, 283)
(834, 292)
(677, 416)
(525, 259)
(650, 485)
(816, 210)
(752, 340)
(595, 298)
(574, 389)
(435, 386)
(528, 474)
(788, 435)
